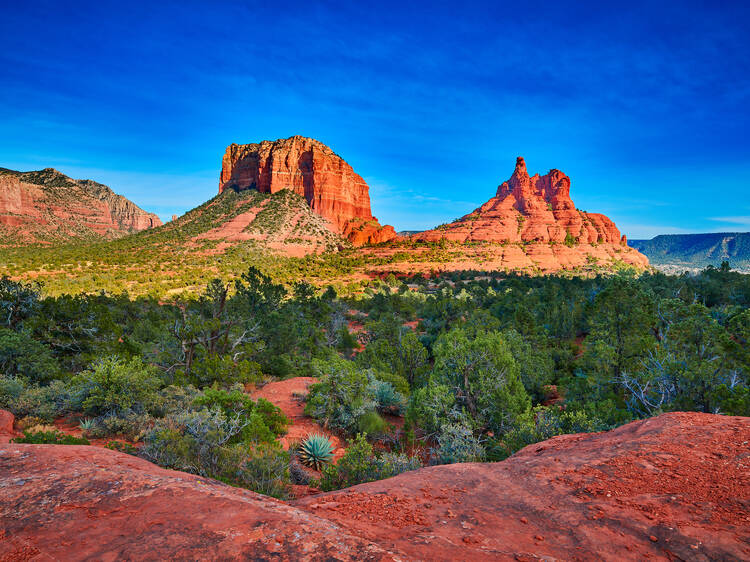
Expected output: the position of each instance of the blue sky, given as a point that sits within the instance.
(645, 107)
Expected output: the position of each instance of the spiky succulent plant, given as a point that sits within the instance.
(315, 451)
(87, 424)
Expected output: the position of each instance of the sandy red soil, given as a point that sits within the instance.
(286, 395)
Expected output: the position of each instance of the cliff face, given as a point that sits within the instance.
(47, 206)
(530, 209)
(312, 170)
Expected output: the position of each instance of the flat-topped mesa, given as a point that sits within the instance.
(311, 169)
(530, 209)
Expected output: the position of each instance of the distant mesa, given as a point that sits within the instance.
(311, 169)
(46, 206)
(675, 253)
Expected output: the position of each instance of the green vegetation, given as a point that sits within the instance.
(49, 438)
(316, 451)
(360, 464)
(697, 251)
(462, 367)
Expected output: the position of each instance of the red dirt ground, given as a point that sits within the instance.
(282, 394)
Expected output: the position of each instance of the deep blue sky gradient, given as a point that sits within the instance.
(645, 107)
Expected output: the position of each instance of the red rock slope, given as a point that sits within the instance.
(676, 487)
(530, 209)
(47, 206)
(311, 169)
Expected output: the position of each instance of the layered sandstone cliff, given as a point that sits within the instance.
(48, 206)
(530, 209)
(311, 169)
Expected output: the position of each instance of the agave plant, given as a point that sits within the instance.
(87, 424)
(315, 451)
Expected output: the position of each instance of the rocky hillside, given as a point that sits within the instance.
(532, 224)
(311, 169)
(530, 209)
(675, 487)
(691, 252)
(47, 206)
(282, 223)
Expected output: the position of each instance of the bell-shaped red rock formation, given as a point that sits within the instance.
(311, 169)
(530, 209)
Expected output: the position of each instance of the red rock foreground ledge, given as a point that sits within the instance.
(675, 487)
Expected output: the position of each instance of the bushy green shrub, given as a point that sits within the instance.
(399, 383)
(541, 424)
(457, 443)
(433, 406)
(130, 425)
(261, 420)
(10, 389)
(397, 350)
(122, 447)
(50, 438)
(371, 424)
(342, 395)
(22, 356)
(204, 442)
(113, 386)
(356, 466)
(224, 370)
(173, 398)
(475, 381)
(387, 399)
(535, 363)
(44, 402)
(262, 468)
(392, 464)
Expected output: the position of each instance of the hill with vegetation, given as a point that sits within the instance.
(219, 238)
(692, 252)
(280, 223)
(48, 207)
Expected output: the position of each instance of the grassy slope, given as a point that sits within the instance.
(171, 259)
(174, 259)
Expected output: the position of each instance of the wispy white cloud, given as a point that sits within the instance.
(742, 220)
(646, 231)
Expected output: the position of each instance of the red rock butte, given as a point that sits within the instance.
(311, 169)
(530, 209)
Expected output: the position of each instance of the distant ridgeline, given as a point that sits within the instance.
(673, 252)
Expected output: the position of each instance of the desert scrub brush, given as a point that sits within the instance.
(315, 451)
